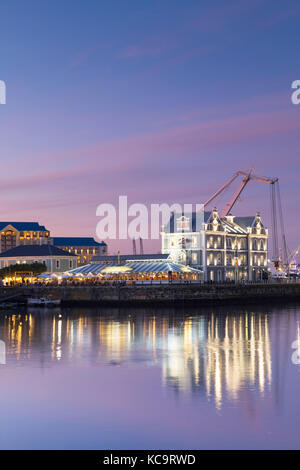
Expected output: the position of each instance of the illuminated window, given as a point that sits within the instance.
(243, 244)
(183, 223)
(229, 260)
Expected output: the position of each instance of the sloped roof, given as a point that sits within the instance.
(244, 222)
(190, 215)
(124, 258)
(76, 241)
(239, 224)
(35, 250)
(20, 226)
(138, 267)
(233, 227)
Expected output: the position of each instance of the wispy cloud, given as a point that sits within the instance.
(124, 155)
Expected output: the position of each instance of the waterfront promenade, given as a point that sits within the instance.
(151, 294)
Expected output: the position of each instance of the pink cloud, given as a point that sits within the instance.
(178, 143)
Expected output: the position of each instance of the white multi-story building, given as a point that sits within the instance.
(229, 248)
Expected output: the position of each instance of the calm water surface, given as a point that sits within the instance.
(110, 378)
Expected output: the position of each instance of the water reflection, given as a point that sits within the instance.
(215, 353)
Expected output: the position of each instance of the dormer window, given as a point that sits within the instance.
(258, 228)
(183, 223)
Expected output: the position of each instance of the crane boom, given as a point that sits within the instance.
(222, 189)
(247, 176)
(236, 195)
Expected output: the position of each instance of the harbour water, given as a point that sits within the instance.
(211, 378)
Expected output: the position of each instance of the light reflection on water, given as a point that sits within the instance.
(204, 357)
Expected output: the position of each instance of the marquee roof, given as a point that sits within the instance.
(135, 267)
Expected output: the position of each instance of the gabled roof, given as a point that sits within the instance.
(76, 241)
(233, 227)
(238, 224)
(35, 250)
(192, 216)
(244, 222)
(20, 226)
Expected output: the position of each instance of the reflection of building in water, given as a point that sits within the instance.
(237, 353)
(234, 350)
(213, 354)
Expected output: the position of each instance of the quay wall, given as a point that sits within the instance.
(168, 294)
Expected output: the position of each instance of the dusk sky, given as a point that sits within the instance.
(161, 101)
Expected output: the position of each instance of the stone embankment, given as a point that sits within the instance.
(160, 294)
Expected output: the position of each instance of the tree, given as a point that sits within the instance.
(33, 268)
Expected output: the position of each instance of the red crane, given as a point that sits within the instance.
(276, 208)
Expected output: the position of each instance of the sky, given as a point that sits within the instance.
(159, 101)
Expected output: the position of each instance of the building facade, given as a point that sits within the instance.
(227, 249)
(183, 238)
(14, 234)
(56, 260)
(85, 248)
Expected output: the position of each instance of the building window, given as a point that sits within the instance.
(243, 260)
(183, 223)
(229, 260)
(243, 243)
(210, 242)
(194, 257)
